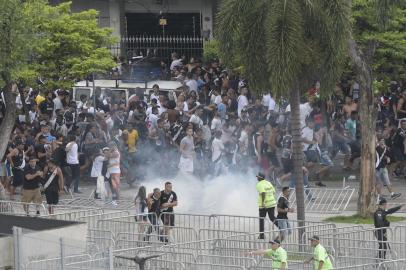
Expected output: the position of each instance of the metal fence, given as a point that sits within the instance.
(159, 46)
(325, 200)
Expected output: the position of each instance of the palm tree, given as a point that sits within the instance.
(284, 46)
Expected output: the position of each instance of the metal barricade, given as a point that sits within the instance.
(189, 220)
(398, 241)
(17, 208)
(86, 202)
(98, 240)
(240, 223)
(75, 214)
(91, 220)
(116, 226)
(155, 264)
(205, 234)
(224, 260)
(393, 265)
(325, 200)
(56, 263)
(208, 266)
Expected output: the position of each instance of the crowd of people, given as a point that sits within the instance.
(212, 125)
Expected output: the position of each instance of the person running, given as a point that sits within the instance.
(53, 184)
(266, 202)
(282, 217)
(277, 254)
(169, 200)
(320, 256)
(381, 223)
(382, 175)
(31, 192)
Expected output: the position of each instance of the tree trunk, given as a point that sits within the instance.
(297, 152)
(7, 124)
(367, 112)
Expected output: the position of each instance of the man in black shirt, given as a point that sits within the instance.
(381, 223)
(31, 192)
(41, 151)
(282, 217)
(169, 200)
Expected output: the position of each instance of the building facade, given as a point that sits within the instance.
(144, 25)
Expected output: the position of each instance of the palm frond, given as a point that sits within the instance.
(285, 44)
(383, 11)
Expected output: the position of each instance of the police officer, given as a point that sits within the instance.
(266, 202)
(381, 223)
(277, 254)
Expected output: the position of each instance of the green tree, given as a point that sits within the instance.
(389, 60)
(365, 55)
(37, 39)
(284, 45)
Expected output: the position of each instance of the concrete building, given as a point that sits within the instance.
(192, 18)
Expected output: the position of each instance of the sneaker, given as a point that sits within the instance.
(320, 184)
(114, 203)
(395, 195)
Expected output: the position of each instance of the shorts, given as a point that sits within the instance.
(18, 177)
(287, 165)
(312, 156)
(325, 159)
(382, 177)
(52, 196)
(284, 227)
(31, 195)
(168, 218)
(273, 159)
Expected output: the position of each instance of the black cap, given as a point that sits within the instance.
(382, 201)
(260, 175)
(314, 238)
(275, 241)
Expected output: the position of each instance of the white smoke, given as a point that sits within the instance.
(228, 194)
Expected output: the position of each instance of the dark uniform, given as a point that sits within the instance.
(381, 223)
(153, 214)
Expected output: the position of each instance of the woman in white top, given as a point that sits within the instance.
(72, 159)
(113, 170)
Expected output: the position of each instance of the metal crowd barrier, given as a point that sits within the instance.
(17, 208)
(325, 200)
(56, 263)
(86, 202)
(392, 265)
(75, 214)
(92, 220)
(225, 260)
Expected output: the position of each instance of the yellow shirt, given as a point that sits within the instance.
(132, 140)
(266, 187)
(39, 99)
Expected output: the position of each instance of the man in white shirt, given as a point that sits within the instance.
(196, 117)
(305, 110)
(217, 148)
(191, 82)
(242, 100)
(72, 159)
(175, 62)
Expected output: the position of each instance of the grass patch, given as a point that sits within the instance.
(356, 219)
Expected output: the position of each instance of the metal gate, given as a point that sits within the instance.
(159, 46)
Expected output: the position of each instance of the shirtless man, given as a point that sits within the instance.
(349, 107)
